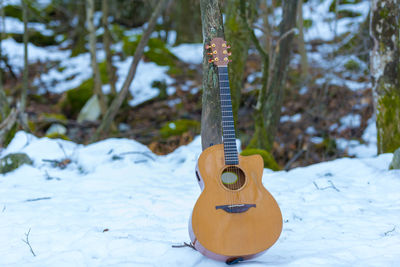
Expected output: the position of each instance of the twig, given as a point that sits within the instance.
(37, 199)
(286, 34)
(62, 148)
(324, 188)
(137, 152)
(26, 241)
(391, 231)
(292, 160)
(190, 245)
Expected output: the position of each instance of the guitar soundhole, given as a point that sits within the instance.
(233, 178)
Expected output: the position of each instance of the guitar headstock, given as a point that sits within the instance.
(219, 52)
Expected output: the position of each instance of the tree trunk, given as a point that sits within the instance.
(187, 21)
(301, 43)
(107, 47)
(385, 71)
(268, 111)
(4, 107)
(212, 26)
(25, 73)
(117, 102)
(237, 35)
(92, 47)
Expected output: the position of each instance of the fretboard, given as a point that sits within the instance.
(228, 127)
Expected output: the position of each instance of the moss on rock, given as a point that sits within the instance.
(157, 52)
(352, 65)
(179, 127)
(13, 161)
(75, 99)
(36, 38)
(57, 136)
(269, 161)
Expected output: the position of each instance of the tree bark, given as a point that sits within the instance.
(385, 72)
(268, 109)
(107, 48)
(117, 102)
(92, 48)
(212, 26)
(237, 35)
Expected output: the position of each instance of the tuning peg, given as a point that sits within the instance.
(228, 46)
(209, 54)
(210, 61)
(208, 47)
(229, 54)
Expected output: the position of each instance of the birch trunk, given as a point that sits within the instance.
(385, 72)
(212, 26)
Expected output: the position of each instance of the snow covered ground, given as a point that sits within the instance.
(117, 204)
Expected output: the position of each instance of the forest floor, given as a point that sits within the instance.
(321, 118)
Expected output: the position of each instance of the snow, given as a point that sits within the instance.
(350, 121)
(118, 204)
(294, 118)
(325, 26)
(366, 149)
(190, 53)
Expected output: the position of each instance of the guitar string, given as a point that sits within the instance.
(229, 201)
(233, 194)
(226, 113)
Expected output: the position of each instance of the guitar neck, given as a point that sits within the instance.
(228, 127)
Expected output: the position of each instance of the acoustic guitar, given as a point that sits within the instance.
(235, 218)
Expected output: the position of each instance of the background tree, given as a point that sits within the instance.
(237, 35)
(107, 41)
(385, 71)
(301, 42)
(269, 104)
(92, 48)
(117, 102)
(212, 26)
(4, 107)
(187, 21)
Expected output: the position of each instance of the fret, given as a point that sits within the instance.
(223, 69)
(228, 129)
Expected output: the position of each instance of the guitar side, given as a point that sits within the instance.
(223, 235)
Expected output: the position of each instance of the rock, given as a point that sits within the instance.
(56, 128)
(123, 127)
(396, 160)
(13, 161)
(90, 111)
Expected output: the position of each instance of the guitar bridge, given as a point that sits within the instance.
(235, 208)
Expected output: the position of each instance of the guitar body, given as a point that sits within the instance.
(230, 221)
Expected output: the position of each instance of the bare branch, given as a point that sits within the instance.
(26, 241)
